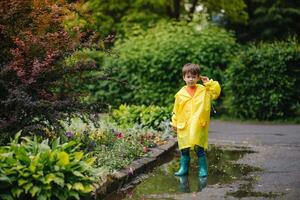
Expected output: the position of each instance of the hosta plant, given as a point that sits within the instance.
(30, 169)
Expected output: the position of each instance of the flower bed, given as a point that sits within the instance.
(76, 162)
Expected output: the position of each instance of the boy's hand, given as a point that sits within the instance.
(204, 79)
(174, 129)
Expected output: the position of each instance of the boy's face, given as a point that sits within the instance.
(191, 79)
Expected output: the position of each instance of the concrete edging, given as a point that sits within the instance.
(142, 165)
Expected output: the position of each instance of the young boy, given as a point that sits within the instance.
(191, 115)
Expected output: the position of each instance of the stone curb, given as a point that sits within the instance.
(142, 165)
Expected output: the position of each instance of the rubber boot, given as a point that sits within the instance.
(202, 166)
(184, 184)
(202, 181)
(184, 165)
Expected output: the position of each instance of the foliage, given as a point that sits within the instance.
(35, 81)
(233, 10)
(263, 81)
(146, 116)
(119, 17)
(36, 170)
(149, 64)
(113, 147)
(120, 154)
(270, 20)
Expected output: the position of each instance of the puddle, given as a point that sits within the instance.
(161, 181)
(246, 190)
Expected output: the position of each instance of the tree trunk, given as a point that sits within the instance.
(193, 8)
(176, 13)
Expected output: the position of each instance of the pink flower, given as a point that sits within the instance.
(119, 135)
(145, 149)
(130, 171)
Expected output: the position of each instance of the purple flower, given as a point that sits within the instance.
(91, 146)
(69, 134)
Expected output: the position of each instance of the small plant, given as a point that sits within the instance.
(120, 155)
(36, 170)
(146, 116)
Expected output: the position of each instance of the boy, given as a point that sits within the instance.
(191, 116)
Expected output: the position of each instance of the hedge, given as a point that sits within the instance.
(263, 81)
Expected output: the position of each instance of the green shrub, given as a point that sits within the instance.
(36, 170)
(145, 116)
(263, 81)
(149, 64)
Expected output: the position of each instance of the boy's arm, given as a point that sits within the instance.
(213, 87)
(174, 118)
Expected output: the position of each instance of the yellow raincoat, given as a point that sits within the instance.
(191, 115)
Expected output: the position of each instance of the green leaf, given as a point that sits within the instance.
(34, 190)
(59, 181)
(27, 187)
(6, 197)
(55, 143)
(87, 188)
(77, 173)
(63, 158)
(6, 155)
(78, 186)
(49, 178)
(90, 161)
(16, 192)
(78, 155)
(18, 134)
(21, 182)
(74, 194)
(4, 178)
(69, 186)
(41, 197)
(34, 163)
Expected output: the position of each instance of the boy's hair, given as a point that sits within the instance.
(191, 68)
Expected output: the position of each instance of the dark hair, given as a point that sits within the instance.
(191, 68)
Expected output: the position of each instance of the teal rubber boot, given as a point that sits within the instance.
(202, 166)
(184, 166)
(202, 181)
(184, 184)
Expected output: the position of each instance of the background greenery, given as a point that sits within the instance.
(149, 63)
(263, 81)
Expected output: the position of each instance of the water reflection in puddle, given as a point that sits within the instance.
(162, 183)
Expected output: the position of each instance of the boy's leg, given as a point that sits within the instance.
(202, 163)
(184, 162)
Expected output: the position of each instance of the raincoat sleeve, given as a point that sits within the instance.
(175, 109)
(214, 88)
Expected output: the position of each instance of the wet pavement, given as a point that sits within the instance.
(246, 161)
(278, 148)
